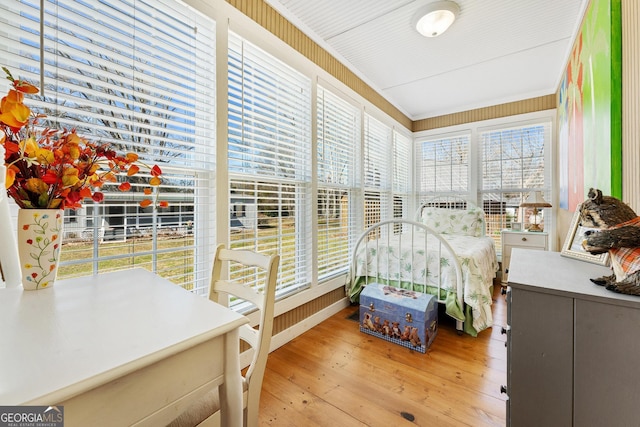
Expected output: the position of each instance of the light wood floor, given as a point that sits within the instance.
(335, 376)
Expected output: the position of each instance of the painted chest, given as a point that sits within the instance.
(404, 317)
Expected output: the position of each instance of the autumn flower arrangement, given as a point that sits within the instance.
(51, 168)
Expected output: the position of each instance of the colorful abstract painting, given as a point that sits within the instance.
(590, 108)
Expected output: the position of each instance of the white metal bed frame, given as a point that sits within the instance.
(388, 228)
(407, 229)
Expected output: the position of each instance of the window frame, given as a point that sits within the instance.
(475, 181)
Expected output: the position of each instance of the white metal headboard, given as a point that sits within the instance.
(446, 202)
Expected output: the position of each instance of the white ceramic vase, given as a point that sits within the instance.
(39, 242)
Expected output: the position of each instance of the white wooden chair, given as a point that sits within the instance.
(206, 410)
(10, 274)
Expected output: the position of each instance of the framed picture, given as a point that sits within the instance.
(572, 247)
(516, 226)
(590, 108)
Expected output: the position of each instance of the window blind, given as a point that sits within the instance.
(512, 164)
(140, 76)
(378, 149)
(401, 175)
(442, 166)
(338, 136)
(269, 158)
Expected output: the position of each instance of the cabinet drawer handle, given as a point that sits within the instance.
(524, 239)
(503, 389)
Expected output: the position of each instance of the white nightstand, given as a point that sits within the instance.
(520, 239)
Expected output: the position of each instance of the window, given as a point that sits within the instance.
(494, 166)
(401, 175)
(139, 76)
(442, 167)
(338, 139)
(269, 159)
(512, 164)
(377, 171)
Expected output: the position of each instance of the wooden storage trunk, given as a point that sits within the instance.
(404, 317)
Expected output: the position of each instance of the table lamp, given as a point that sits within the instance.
(535, 200)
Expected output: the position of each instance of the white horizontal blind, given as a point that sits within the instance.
(401, 175)
(377, 170)
(338, 136)
(269, 158)
(140, 76)
(512, 165)
(442, 166)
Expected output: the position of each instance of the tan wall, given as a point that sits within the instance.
(547, 102)
(631, 103)
(270, 19)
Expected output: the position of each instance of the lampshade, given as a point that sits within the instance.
(535, 200)
(435, 18)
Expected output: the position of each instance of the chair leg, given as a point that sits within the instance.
(251, 416)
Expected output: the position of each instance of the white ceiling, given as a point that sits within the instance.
(497, 51)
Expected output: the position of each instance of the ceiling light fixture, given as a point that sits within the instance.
(435, 18)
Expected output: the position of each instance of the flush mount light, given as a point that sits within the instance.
(434, 18)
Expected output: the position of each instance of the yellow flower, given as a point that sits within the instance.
(10, 176)
(52, 168)
(70, 177)
(12, 111)
(36, 185)
(29, 147)
(44, 156)
(74, 151)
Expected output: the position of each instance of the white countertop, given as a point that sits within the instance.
(85, 332)
(553, 273)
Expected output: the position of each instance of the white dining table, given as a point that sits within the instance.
(118, 349)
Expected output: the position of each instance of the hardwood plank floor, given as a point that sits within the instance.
(333, 375)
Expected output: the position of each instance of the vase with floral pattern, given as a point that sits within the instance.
(39, 242)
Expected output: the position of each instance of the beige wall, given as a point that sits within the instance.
(547, 102)
(631, 103)
(270, 19)
(266, 16)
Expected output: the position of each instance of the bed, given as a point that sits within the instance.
(444, 252)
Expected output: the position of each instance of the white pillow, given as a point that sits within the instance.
(468, 222)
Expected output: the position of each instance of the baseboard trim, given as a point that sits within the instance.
(299, 328)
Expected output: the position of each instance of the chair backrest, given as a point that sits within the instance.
(265, 271)
(9, 262)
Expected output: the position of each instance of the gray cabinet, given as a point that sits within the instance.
(573, 354)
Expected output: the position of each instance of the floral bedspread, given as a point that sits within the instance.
(395, 260)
